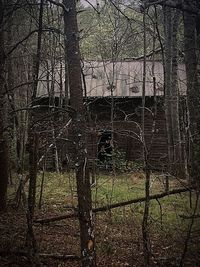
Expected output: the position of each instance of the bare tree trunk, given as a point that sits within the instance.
(33, 141)
(193, 93)
(82, 171)
(13, 120)
(145, 224)
(31, 131)
(3, 142)
(167, 82)
(179, 168)
(172, 93)
(66, 68)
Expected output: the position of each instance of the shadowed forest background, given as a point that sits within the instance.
(99, 133)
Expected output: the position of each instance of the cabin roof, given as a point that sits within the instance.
(117, 79)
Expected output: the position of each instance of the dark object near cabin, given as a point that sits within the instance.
(104, 146)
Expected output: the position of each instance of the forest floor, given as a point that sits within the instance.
(173, 235)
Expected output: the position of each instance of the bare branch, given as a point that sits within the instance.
(21, 41)
(174, 4)
(30, 34)
(93, 6)
(59, 4)
(147, 55)
(120, 11)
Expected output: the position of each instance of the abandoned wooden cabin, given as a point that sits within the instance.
(113, 99)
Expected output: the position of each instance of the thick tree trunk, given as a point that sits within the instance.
(3, 143)
(172, 93)
(76, 99)
(193, 93)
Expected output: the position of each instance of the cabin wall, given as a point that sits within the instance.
(127, 128)
(126, 132)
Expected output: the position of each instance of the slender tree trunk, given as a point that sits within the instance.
(167, 82)
(3, 141)
(179, 168)
(66, 67)
(145, 223)
(12, 121)
(33, 141)
(32, 136)
(76, 99)
(193, 93)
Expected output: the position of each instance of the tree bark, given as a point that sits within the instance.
(172, 93)
(167, 81)
(32, 136)
(145, 221)
(178, 159)
(79, 123)
(3, 141)
(193, 93)
(33, 141)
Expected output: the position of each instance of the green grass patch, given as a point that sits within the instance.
(60, 192)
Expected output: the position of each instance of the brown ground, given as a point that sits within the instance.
(119, 241)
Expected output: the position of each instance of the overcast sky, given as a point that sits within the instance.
(93, 2)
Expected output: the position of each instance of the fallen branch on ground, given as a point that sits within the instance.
(116, 205)
(197, 216)
(142, 199)
(57, 218)
(5, 253)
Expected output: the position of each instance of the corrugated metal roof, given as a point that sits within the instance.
(120, 79)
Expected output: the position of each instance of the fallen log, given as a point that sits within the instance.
(116, 205)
